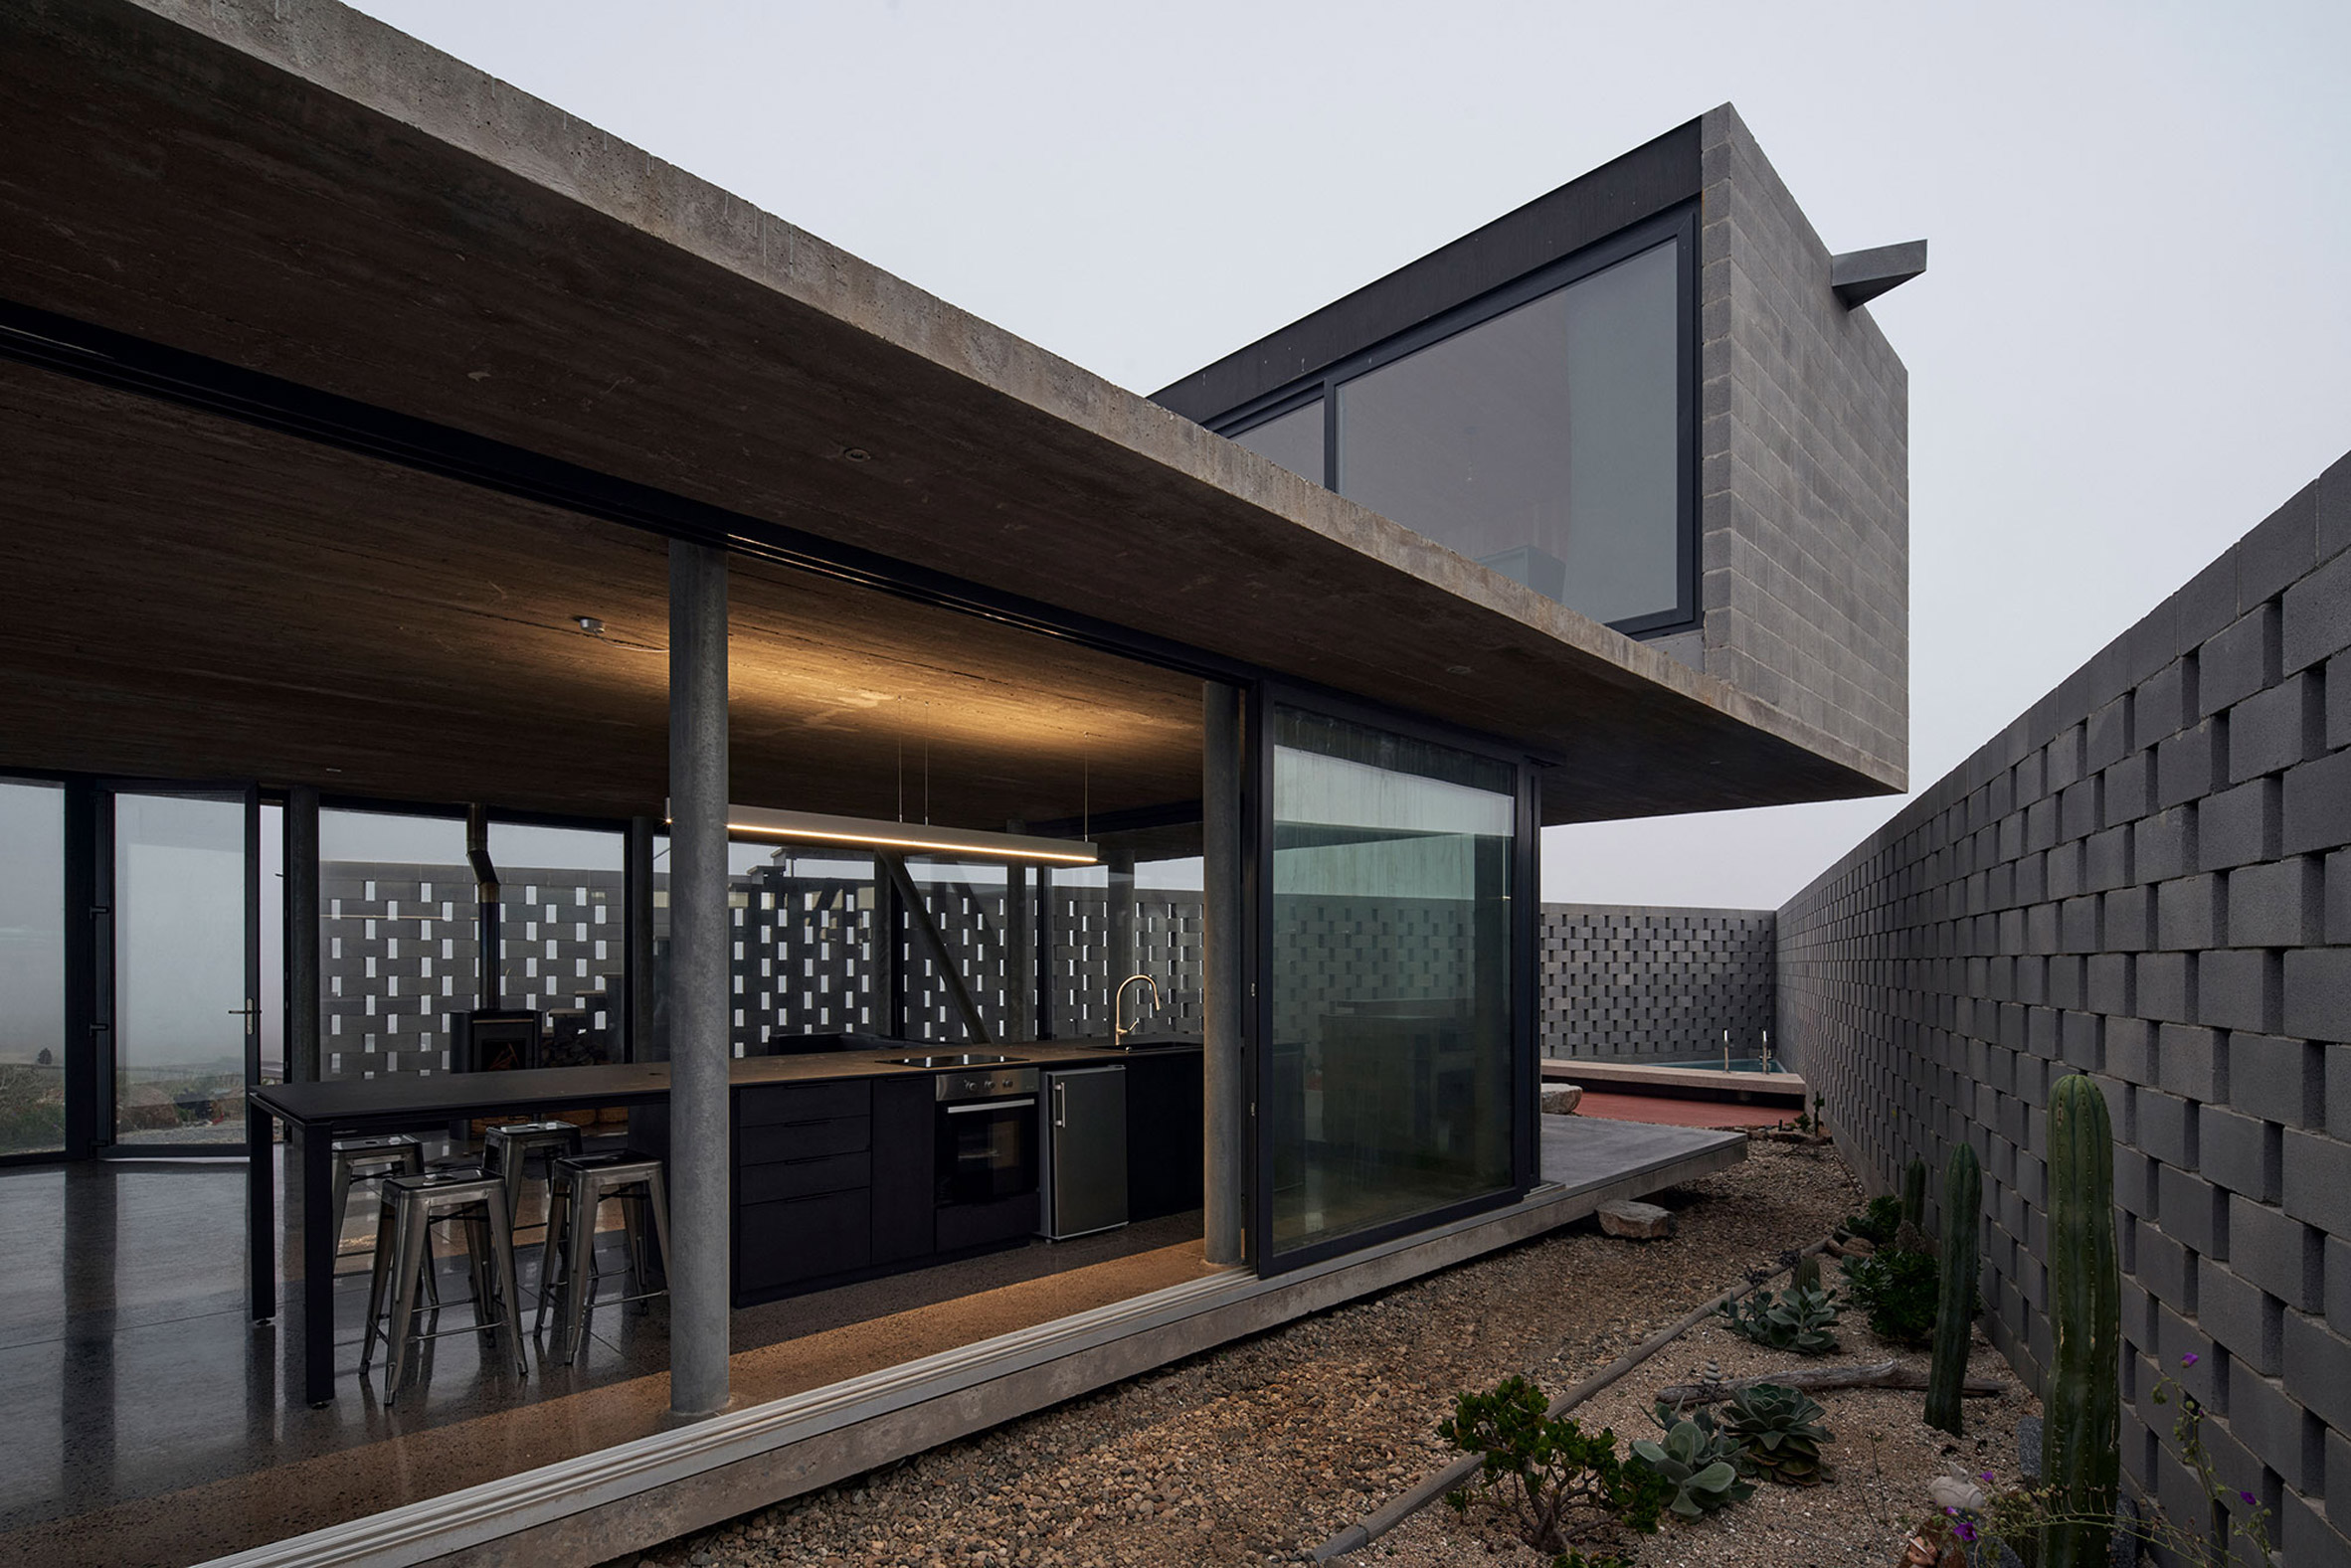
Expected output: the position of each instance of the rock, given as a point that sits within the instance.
(1636, 1221)
(1560, 1099)
(2028, 1446)
(1857, 1246)
(1954, 1491)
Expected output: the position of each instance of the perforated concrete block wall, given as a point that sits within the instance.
(1660, 983)
(2146, 879)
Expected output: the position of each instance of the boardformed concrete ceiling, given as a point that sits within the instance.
(294, 189)
(183, 596)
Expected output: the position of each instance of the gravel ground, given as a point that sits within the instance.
(1260, 1451)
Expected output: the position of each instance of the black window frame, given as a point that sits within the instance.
(1678, 226)
(1259, 700)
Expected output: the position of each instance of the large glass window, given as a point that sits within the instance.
(1390, 1082)
(400, 944)
(1543, 442)
(559, 936)
(31, 968)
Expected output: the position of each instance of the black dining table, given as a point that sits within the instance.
(315, 1115)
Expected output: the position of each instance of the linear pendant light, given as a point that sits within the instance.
(921, 837)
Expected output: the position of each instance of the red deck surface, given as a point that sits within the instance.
(1660, 1111)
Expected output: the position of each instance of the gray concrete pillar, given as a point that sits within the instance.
(1224, 1151)
(1118, 918)
(637, 1025)
(699, 1041)
(300, 865)
(1019, 956)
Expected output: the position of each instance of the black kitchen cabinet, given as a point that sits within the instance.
(1163, 1126)
(904, 1113)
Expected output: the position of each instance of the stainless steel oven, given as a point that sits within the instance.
(988, 1136)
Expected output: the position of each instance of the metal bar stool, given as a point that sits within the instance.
(577, 1187)
(411, 1206)
(506, 1150)
(364, 1159)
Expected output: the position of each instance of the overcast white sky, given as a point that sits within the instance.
(2134, 341)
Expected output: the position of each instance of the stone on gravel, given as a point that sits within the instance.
(1563, 1099)
(1636, 1221)
(2028, 1446)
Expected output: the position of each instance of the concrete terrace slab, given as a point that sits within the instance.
(296, 190)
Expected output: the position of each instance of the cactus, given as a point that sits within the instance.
(1963, 1201)
(1807, 1272)
(2083, 1457)
(1914, 1194)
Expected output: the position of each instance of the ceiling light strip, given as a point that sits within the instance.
(912, 837)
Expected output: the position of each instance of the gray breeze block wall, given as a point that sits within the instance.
(2144, 879)
(1620, 981)
(1804, 465)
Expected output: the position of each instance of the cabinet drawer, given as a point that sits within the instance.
(766, 1146)
(803, 1178)
(764, 1104)
(803, 1239)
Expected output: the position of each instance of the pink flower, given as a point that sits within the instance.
(2247, 1496)
(2190, 1359)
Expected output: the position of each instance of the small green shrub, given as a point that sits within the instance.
(1778, 1429)
(1554, 1483)
(1878, 1221)
(1797, 1320)
(1898, 1292)
(1700, 1460)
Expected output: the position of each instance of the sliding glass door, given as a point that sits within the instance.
(31, 968)
(179, 978)
(1390, 1072)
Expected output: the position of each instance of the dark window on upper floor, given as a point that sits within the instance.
(1546, 430)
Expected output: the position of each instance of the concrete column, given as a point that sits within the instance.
(1224, 1149)
(636, 936)
(888, 993)
(698, 980)
(1119, 915)
(1019, 958)
(300, 865)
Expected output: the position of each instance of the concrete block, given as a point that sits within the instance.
(2165, 1268)
(2129, 1043)
(2166, 1128)
(2316, 1180)
(2338, 897)
(2277, 1078)
(2317, 809)
(2191, 764)
(2165, 984)
(2240, 988)
(2265, 1417)
(2207, 605)
(2163, 705)
(2278, 904)
(2338, 701)
(2281, 1255)
(2192, 1211)
(2079, 808)
(2321, 1360)
(2238, 826)
(2191, 1062)
(2241, 1316)
(2127, 790)
(2316, 1003)
(2281, 549)
(2240, 1152)
(2273, 728)
(2237, 660)
(2106, 860)
(2190, 913)
(2127, 919)
(2333, 489)
(2335, 1282)
(2303, 1535)
(2316, 624)
(2163, 846)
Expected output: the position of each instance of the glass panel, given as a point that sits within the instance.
(1390, 1054)
(802, 923)
(967, 901)
(271, 929)
(1293, 439)
(31, 968)
(180, 1001)
(398, 941)
(1543, 443)
(559, 934)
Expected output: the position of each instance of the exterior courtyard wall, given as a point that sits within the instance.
(1621, 983)
(2145, 878)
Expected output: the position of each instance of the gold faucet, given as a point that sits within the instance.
(1117, 1007)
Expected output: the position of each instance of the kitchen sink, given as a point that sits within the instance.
(967, 1058)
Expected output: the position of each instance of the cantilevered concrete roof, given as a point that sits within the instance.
(293, 189)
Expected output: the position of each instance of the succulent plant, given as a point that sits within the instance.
(1778, 1429)
(1700, 1461)
(1954, 1320)
(2082, 1458)
(1798, 1319)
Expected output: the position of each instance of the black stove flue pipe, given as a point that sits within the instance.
(485, 888)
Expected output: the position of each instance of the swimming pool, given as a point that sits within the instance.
(1715, 1064)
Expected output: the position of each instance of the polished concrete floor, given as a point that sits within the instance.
(148, 1418)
